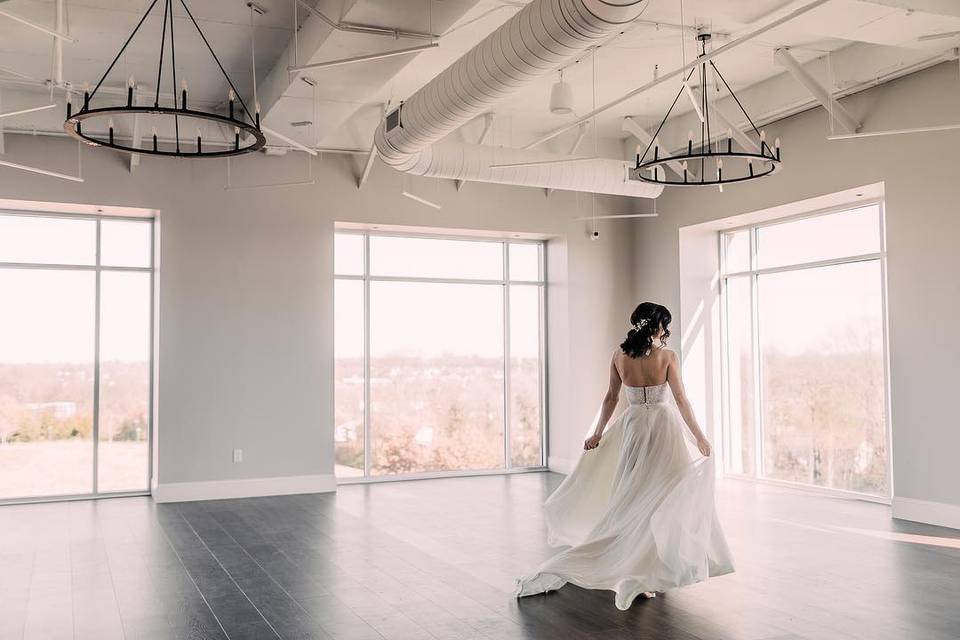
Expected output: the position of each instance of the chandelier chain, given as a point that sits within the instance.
(217, 60)
(163, 46)
(122, 49)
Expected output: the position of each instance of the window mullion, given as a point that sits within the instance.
(758, 429)
(507, 457)
(367, 438)
(96, 363)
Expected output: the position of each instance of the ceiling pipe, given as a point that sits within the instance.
(677, 72)
(543, 36)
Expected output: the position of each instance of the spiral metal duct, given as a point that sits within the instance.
(539, 39)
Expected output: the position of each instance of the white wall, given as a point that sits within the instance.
(922, 185)
(245, 299)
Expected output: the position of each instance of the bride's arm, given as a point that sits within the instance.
(609, 406)
(680, 395)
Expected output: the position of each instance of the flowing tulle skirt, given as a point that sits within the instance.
(637, 513)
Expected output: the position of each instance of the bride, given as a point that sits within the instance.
(637, 510)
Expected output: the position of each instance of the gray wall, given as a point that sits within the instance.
(245, 315)
(922, 185)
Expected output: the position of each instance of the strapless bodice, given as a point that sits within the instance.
(654, 394)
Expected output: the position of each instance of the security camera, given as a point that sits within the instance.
(594, 235)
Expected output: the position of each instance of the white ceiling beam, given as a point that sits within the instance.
(58, 44)
(27, 110)
(938, 7)
(371, 155)
(2, 148)
(817, 90)
(631, 126)
(364, 58)
(581, 134)
(33, 25)
(137, 133)
(728, 122)
(43, 172)
(487, 128)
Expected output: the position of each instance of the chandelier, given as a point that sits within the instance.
(711, 161)
(240, 129)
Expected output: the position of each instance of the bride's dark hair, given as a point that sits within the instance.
(646, 319)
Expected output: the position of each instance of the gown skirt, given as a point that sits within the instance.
(636, 513)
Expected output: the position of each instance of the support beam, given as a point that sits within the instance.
(58, 45)
(137, 132)
(372, 154)
(487, 128)
(33, 25)
(822, 95)
(581, 134)
(293, 143)
(364, 58)
(2, 148)
(630, 126)
(727, 121)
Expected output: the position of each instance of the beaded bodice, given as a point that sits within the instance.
(654, 394)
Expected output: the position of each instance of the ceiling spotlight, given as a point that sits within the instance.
(561, 97)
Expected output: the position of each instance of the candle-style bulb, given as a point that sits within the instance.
(690, 135)
(236, 131)
(257, 107)
(198, 132)
(763, 136)
(683, 165)
(729, 133)
(131, 82)
(110, 123)
(231, 96)
(776, 143)
(183, 84)
(719, 163)
(154, 131)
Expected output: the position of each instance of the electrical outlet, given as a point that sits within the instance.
(238, 455)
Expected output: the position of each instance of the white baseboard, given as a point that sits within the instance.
(937, 513)
(245, 488)
(561, 465)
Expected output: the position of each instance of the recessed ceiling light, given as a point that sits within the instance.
(859, 195)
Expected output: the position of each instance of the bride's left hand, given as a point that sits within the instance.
(591, 443)
(704, 446)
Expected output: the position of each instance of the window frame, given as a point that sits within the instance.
(753, 274)
(505, 282)
(98, 269)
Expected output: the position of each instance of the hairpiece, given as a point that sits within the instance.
(641, 324)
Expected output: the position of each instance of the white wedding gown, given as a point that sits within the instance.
(637, 512)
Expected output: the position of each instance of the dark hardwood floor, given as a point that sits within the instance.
(436, 559)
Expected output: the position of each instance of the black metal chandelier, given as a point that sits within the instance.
(245, 126)
(691, 168)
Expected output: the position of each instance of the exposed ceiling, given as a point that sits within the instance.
(865, 40)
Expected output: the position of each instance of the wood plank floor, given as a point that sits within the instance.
(436, 559)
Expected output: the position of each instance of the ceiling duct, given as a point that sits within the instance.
(537, 41)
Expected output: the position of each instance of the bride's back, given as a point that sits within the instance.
(645, 371)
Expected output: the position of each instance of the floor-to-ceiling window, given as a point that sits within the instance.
(805, 351)
(439, 356)
(75, 355)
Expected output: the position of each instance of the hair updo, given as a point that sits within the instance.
(647, 319)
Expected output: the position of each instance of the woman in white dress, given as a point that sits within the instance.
(637, 511)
